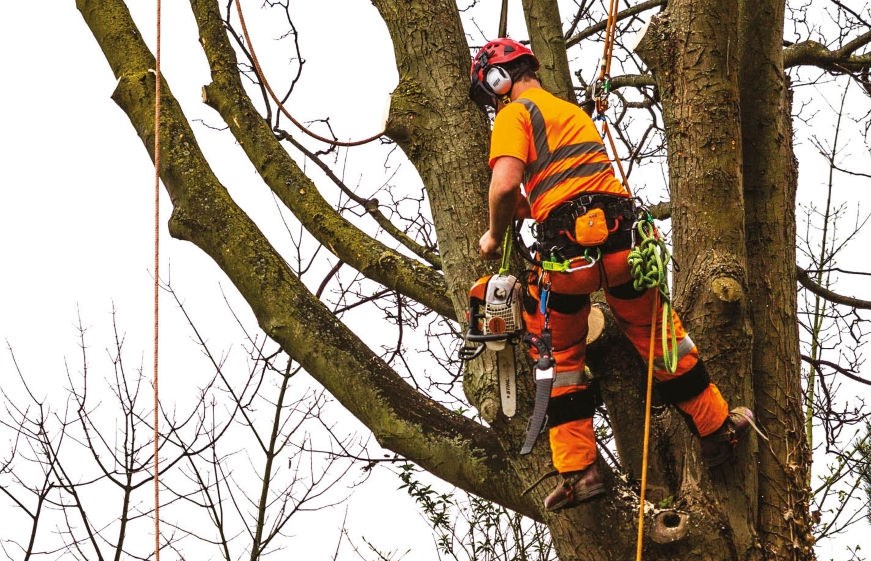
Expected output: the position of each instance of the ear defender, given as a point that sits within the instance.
(498, 80)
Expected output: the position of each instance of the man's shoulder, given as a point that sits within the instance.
(534, 95)
(514, 111)
(546, 102)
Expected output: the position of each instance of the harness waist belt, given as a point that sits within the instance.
(619, 214)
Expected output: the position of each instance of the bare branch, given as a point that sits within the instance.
(805, 280)
(841, 61)
(837, 367)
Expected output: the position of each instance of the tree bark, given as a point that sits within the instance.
(691, 48)
(770, 176)
(546, 35)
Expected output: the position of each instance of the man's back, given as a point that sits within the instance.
(560, 145)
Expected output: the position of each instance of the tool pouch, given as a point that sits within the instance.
(591, 228)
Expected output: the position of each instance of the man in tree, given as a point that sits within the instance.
(584, 218)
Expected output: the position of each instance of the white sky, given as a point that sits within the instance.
(76, 218)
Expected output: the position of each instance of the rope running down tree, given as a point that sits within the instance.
(647, 261)
(156, 295)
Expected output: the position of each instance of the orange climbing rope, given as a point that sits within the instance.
(157, 96)
(645, 448)
(602, 86)
(600, 93)
(262, 77)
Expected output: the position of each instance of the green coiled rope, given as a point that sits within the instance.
(648, 263)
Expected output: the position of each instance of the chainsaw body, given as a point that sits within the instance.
(495, 316)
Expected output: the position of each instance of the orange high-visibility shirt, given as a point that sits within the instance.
(561, 147)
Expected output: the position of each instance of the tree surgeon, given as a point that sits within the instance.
(585, 216)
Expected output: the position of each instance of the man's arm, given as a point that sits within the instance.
(503, 198)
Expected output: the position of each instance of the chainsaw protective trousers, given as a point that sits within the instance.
(572, 403)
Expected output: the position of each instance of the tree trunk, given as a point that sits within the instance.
(770, 176)
(692, 50)
(545, 33)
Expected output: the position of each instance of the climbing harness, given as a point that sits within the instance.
(553, 264)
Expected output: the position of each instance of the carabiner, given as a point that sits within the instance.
(592, 261)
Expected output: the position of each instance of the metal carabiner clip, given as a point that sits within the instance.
(592, 261)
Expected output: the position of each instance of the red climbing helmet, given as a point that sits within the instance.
(489, 79)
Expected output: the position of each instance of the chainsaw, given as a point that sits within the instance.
(494, 315)
(495, 319)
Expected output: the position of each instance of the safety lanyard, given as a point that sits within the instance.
(506, 252)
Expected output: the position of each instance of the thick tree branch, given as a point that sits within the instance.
(372, 258)
(843, 60)
(805, 280)
(545, 33)
(447, 444)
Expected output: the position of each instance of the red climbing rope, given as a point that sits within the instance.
(157, 95)
(259, 70)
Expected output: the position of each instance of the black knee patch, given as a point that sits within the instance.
(625, 291)
(571, 407)
(685, 387)
(567, 303)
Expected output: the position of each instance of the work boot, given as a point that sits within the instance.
(718, 446)
(575, 488)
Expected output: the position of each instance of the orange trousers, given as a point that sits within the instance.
(570, 411)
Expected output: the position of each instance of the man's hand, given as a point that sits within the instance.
(490, 247)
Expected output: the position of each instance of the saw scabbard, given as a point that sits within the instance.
(543, 386)
(544, 374)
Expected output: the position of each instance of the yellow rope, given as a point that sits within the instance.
(603, 87)
(601, 106)
(645, 448)
(157, 96)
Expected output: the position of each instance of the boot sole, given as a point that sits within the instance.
(589, 494)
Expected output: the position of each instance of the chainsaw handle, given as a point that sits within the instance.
(467, 353)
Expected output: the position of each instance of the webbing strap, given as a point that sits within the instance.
(506, 253)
